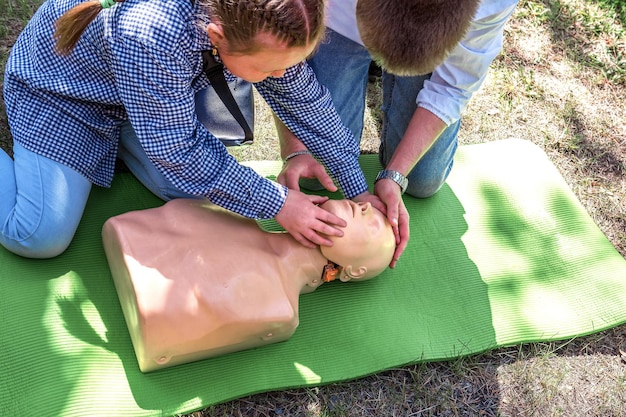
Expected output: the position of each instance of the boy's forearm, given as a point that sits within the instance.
(422, 132)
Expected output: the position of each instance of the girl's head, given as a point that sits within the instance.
(261, 38)
(280, 33)
(294, 23)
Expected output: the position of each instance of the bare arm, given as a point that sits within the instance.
(422, 132)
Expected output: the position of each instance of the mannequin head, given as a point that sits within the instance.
(368, 243)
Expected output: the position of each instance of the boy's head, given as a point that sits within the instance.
(412, 37)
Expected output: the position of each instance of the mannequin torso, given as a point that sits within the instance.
(196, 281)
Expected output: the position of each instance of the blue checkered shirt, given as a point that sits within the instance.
(141, 61)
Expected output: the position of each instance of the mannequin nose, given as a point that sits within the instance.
(365, 207)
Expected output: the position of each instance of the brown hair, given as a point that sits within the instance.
(296, 22)
(412, 37)
(73, 23)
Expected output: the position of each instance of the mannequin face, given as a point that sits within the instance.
(368, 243)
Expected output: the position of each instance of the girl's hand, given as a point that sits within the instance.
(304, 166)
(306, 222)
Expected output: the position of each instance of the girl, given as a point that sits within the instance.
(84, 85)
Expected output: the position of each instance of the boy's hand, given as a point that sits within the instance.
(398, 216)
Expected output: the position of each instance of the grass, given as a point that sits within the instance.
(560, 83)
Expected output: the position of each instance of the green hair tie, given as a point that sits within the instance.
(107, 3)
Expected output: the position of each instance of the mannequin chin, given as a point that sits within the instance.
(196, 281)
(367, 247)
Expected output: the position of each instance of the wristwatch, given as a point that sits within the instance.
(394, 176)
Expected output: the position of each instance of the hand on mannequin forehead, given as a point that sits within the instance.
(196, 281)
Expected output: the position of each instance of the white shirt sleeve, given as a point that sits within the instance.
(453, 83)
(341, 17)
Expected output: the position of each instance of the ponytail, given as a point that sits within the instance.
(73, 23)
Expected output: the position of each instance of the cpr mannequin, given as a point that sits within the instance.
(196, 281)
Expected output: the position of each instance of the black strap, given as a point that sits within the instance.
(215, 72)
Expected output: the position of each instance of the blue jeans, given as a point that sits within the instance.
(41, 203)
(342, 66)
(135, 158)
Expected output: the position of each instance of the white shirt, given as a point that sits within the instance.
(452, 83)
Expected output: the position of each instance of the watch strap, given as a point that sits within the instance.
(394, 176)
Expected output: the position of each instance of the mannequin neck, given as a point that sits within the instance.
(303, 266)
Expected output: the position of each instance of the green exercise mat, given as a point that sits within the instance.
(503, 254)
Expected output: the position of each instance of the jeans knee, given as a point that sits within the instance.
(424, 183)
(38, 244)
(423, 189)
(36, 250)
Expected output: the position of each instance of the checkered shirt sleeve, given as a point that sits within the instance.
(306, 108)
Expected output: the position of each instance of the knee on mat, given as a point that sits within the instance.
(38, 247)
(35, 251)
(423, 189)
